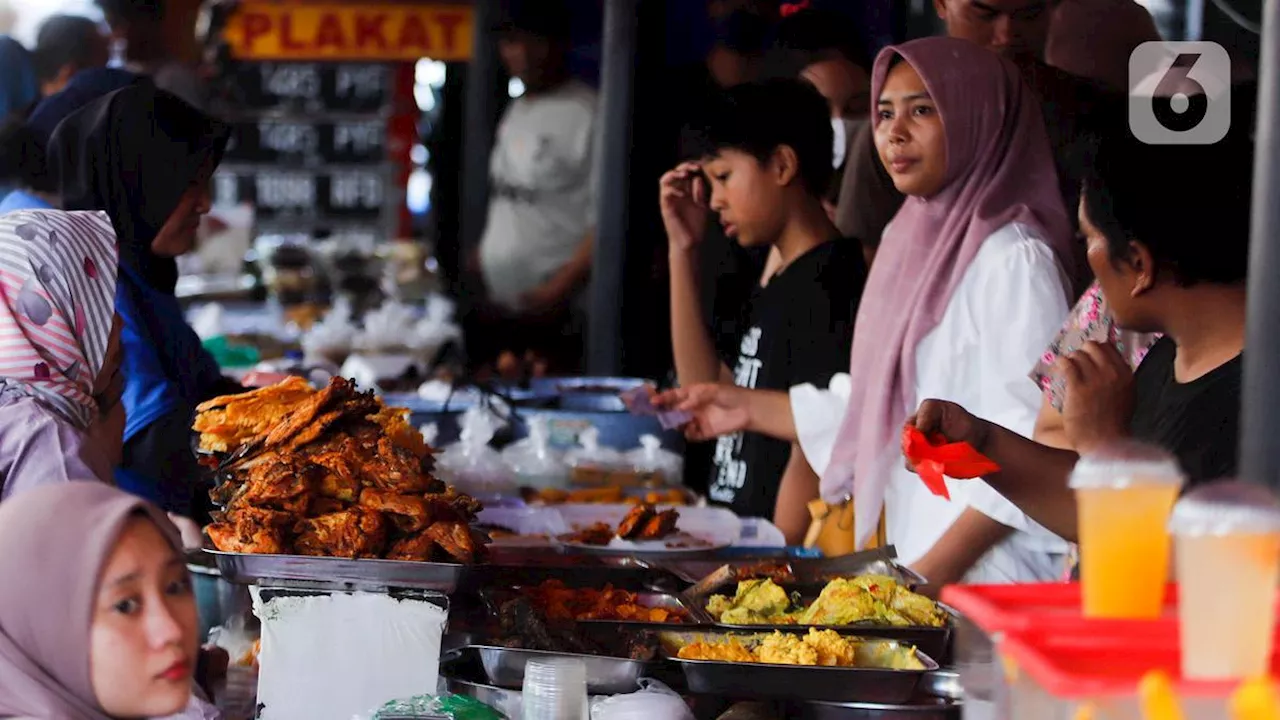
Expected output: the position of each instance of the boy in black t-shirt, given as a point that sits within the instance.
(763, 161)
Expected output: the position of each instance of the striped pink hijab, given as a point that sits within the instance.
(57, 306)
(999, 171)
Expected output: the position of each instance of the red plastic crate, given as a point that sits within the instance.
(1078, 667)
(1030, 609)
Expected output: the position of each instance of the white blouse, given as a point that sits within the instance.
(1004, 312)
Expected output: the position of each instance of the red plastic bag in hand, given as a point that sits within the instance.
(934, 458)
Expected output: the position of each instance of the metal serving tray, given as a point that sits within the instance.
(938, 697)
(795, 682)
(605, 675)
(932, 641)
(339, 573)
(697, 617)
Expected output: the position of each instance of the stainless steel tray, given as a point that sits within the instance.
(925, 708)
(697, 616)
(932, 641)
(339, 573)
(795, 682)
(605, 675)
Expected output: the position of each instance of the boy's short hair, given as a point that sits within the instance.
(1188, 204)
(759, 117)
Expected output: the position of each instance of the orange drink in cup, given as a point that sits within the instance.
(1124, 494)
(1227, 540)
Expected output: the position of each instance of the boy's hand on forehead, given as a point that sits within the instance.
(683, 196)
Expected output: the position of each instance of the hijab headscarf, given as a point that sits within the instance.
(67, 532)
(133, 154)
(57, 306)
(18, 84)
(999, 170)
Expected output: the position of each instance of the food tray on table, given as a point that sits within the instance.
(603, 606)
(344, 573)
(803, 582)
(605, 675)
(756, 680)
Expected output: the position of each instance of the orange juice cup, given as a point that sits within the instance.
(1227, 538)
(1124, 493)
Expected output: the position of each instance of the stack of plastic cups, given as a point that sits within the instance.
(1124, 494)
(1228, 560)
(555, 689)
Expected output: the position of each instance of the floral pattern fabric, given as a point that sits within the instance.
(57, 306)
(1089, 321)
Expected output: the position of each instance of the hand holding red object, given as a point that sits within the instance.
(933, 458)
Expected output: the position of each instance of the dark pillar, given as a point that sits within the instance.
(617, 77)
(481, 114)
(1260, 448)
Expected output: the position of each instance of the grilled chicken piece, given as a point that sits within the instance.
(635, 521)
(455, 539)
(659, 526)
(323, 506)
(355, 533)
(337, 478)
(396, 469)
(410, 513)
(279, 486)
(247, 538)
(419, 548)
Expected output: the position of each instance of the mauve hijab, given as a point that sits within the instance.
(47, 593)
(999, 171)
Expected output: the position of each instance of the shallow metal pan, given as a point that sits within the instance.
(339, 573)
(605, 675)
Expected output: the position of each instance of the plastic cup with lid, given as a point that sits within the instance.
(1125, 491)
(1227, 540)
(555, 689)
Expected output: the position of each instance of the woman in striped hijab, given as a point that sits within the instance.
(60, 411)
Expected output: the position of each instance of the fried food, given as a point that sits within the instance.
(597, 534)
(356, 533)
(557, 601)
(659, 526)
(635, 521)
(873, 599)
(331, 473)
(823, 648)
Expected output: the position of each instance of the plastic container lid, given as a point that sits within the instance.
(1228, 507)
(1125, 464)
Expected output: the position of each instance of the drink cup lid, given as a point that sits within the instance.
(1126, 464)
(1227, 507)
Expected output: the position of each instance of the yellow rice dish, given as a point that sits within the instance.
(819, 648)
(867, 599)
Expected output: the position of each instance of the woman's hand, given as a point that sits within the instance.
(718, 409)
(939, 417)
(1098, 403)
(682, 195)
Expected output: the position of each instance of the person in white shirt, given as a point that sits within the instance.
(967, 287)
(535, 254)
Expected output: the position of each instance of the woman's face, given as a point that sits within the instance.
(846, 87)
(744, 191)
(178, 236)
(143, 640)
(909, 134)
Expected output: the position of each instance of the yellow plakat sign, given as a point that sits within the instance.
(331, 31)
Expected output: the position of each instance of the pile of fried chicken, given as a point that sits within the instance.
(330, 473)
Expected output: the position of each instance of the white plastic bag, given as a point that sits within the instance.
(332, 338)
(471, 465)
(533, 460)
(654, 464)
(590, 463)
(654, 701)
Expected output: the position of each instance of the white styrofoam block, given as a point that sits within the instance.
(335, 656)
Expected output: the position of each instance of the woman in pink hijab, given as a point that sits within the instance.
(967, 288)
(97, 615)
(60, 415)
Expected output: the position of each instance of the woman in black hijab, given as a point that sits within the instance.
(146, 158)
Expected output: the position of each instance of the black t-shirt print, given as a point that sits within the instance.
(1198, 421)
(795, 330)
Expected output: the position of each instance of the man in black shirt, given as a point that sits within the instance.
(1168, 237)
(762, 162)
